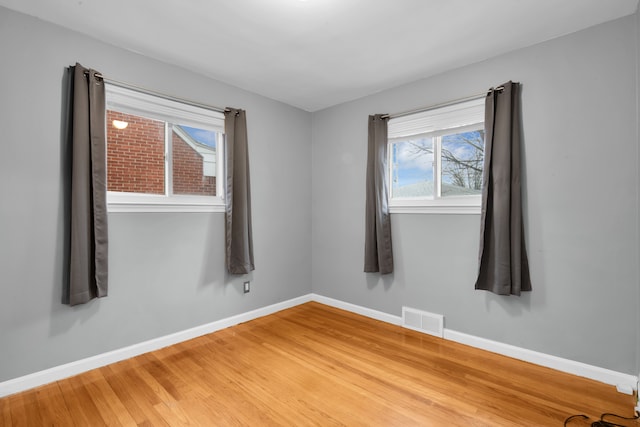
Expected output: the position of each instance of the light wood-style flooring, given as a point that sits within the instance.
(314, 365)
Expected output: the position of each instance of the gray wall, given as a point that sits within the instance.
(581, 207)
(166, 270)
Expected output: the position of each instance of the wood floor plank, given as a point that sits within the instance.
(24, 409)
(315, 365)
(134, 394)
(52, 406)
(396, 381)
(323, 364)
(397, 394)
(5, 413)
(74, 401)
(109, 405)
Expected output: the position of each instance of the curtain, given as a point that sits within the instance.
(503, 264)
(88, 258)
(378, 253)
(239, 240)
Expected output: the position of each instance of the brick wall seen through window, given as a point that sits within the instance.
(135, 159)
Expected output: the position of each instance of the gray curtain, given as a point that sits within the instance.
(504, 268)
(88, 258)
(239, 240)
(378, 253)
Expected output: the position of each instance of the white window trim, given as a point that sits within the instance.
(450, 205)
(168, 110)
(404, 127)
(142, 104)
(134, 202)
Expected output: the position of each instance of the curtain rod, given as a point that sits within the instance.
(444, 104)
(158, 94)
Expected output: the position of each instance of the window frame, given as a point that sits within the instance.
(173, 113)
(430, 126)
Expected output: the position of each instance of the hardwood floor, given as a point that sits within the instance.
(316, 365)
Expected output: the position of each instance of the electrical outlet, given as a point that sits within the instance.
(247, 287)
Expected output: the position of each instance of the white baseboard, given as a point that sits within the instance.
(618, 379)
(56, 373)
(607, 376)
(364, 311)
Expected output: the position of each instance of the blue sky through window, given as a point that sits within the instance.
(203, 136)
(413, 159)
(464, 147)
(412, 162)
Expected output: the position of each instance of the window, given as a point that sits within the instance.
(436, 159)
(162, 155)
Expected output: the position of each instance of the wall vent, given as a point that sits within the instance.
(423, 321)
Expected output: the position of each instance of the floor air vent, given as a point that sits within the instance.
(423, 321)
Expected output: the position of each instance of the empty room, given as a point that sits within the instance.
(319, 212)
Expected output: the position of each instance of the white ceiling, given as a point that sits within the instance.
(317, 53)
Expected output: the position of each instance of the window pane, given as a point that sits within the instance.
(412, 168)
(194, 161)
(135, 154)
(462, 163)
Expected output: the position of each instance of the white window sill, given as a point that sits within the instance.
(442, 206)
(128, 202)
